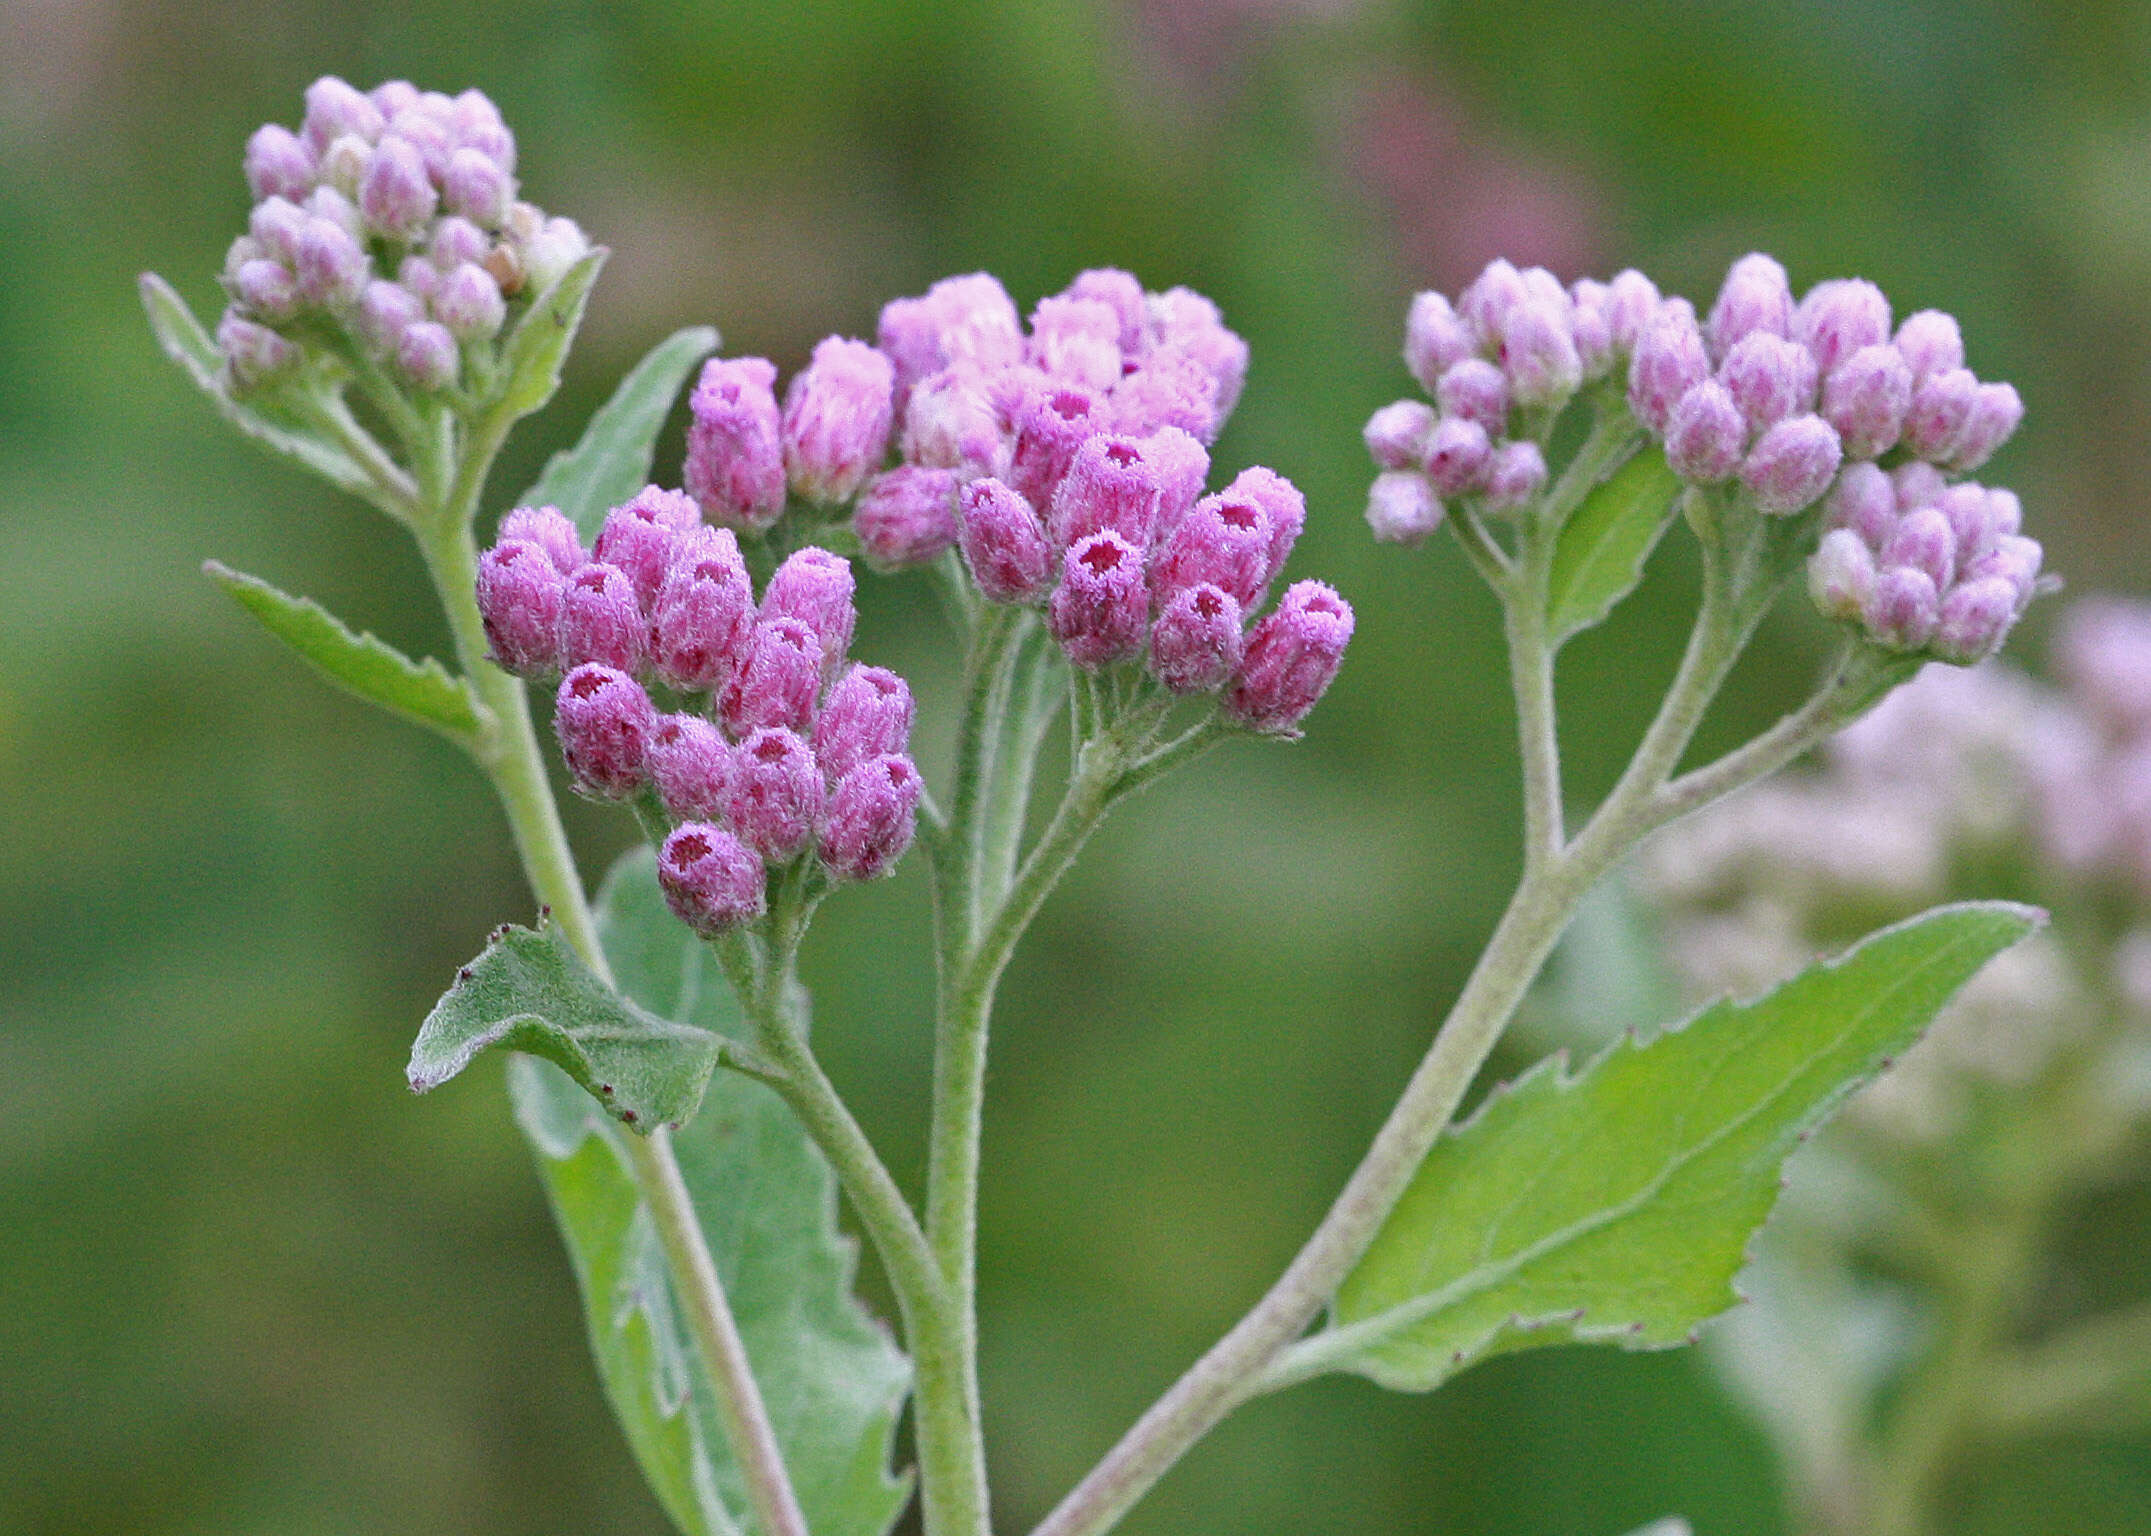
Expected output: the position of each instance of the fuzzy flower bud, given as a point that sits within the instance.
(1865, 502)
(1707, 435)
(276, 226)
(1930, 342)
(328, 203)
(1917, 484)
(1182, 324)
(604, 720)
(1940, 406)
(1436, 339)
(776, 680)
(1181, 466)
(1477, 391)
(334, 108)
(1281, 503)
(547, 255)
(1489, 299)
(343, 165)
(253, 354)
(1996, 411)
(329, 268)
(1839, 317)
(1923, 542)
(1903, 609)
(476, 187)
(600, 619)
(867, 712)
(476, 124)
(397, 195)
(873, 815)
(776, 795)
(837, 415)
(1456, 456)
(642, 537)
(1225, 542)
(468, 302)
(703, 614)
(1969, 514)
(1591, 322)
(1098, 610)
(1792, 465)
(385, 311)
(1396, 435)
(1402, 507)
(1538, 350)
(1631, 305)
(690, 767)
(265, 288)
(906, 516)
(1867, 397)
(735, 453)
(455, 241)
(2016, 560)
(1003, 542)
(1841, 575)
(1770, 378)
(1975, 616)
(1077, 340)
(1755, 298)
(816, 588)
(1515, 473)
(520, 593)
(712, 881)
(550, 530)
(1050, 426)
(960, 319)
(1110, 484)
(1292, 657)
(1669, 361)
(950, 422)
(279, 163)
(1196, 644)
(427, 355)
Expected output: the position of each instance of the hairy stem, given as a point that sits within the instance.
(1531, 676)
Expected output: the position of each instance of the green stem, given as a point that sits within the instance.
(1531, 676)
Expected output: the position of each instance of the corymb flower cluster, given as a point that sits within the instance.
(389, 216)
(778, 748)
(1068, 463)
(1771, 398)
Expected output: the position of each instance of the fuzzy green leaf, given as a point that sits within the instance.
(1617, 1204)
(612, 461)
(833, 1380)
(419, 691)
(1600, 554)
(531, 357)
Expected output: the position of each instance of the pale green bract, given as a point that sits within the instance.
(832, 1378)
(1601, 550)
(532, 354)
(1616, 1204)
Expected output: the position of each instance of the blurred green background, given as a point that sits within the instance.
(248, 1284)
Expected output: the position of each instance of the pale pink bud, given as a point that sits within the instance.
(476, 124)
(1865, 502)
(385, 311)
(425, 129)
(703, 613)
(468, 302)
(867, 712)
(2005, 513)
(1196, 644)
(1631, 305)
(1770, 378)
(1544, 288)
(266, 289)
(1110, 484)
(329, 268)
(1707, 435)
(419, 276)
(1003, 542)
(328, 203)
(1491, 298)
(335, 108)
(1917, 484)
(1923, 541)
(641, 537)
(1992, 421)
(1477, 391)
(1792, 465)
(601, 621)
(549, 529)
(1940, 407)
(960, 319)
(1436, 339)
(1281, 502)
(603, 720)
(520, 592)
(837, 415)
(776, 681)
(427, 355)
(454, 241)
(253, 354)
(735, 452)
(276, 227)
(1538, 350)
(1123, 294)
(1182, 466)
(1183, 323)
(1866, 397)
(712, 881)
(2016, 560)
(906, 516)
(951, 422)
(1930, 343)
(1515, 472)
(1050, 426)
(1396, 435)
(1967, 510)
(776, 796)
(397, 195)
(1754, 298)
(1224, 542)
(1402, 507)
(1974, 619)
(1456, 456)
(1591, 323)
(1841, 575)
(1168, 390)
(547, 256)
(476, 187)
(816, 588)
(690, 767)
(873, 815)
(1292, 657)
(1669, 361)
(1903, 609)
(1099, 609)
(1839, 317)
(393, 96)
(279, 163)
(1077, 340)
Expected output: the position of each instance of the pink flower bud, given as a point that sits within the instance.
(1292, 658)
(2016, 560)
(1168, 390)
(1865, 502)
(1974, 619)
(873, 815)
(476, 124)
(279, 163)
(1841, 575)
(427, 355)
(1669, 361)
(334, 108)
(1839, 317)
(1917, 484)
(266, 288)
(328, 203)
(253, 354)
(776, 795)
(1281, 503)
(1940, 407)
(1631, 305)
(397, 195)
(455, 241)
(468, 302)
(385, 311)
(639, 539)
(735, 453)
(1225, 542)
(2005, 514)
(1770, 378)
(703, 613)
(1402, 507)
(425, 129)
(906, 516)
(1184, 324)
(1930, 342)
(1966, 509)
(476, 187)
(1591, 322)
(1903, 610)
(393, 96)
(329, 268)
(1923, 542)
(419, 276)
(1003, 542)
(1182, 466)
(951, 423)
(1538, 351)
(1477, 391)
(1396, 435)
(1867, 397)
(276, 227)
(604, 720)
(816, 588)
(1099, 609)
(1792, 465)
(867, 712)
(1755, 298)
(1076, 340)
(1456, 456)
(837, 415)
(776, 680)
(690, 767)
(1196, 644)
(1515, 472)
(712, 881)
(1490, 299)
(1707, 435)
(548, 255)
(550, 530)
(1992, 421)
(520, 594)
(600, 619)
(1110, 484)
(1050, 426)
(1436, 339)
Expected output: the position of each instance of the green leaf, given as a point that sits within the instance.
(530, 992)
(833, 1380)
(1617, 1204)
(419, 691)
(612, 462)
(263, 417)
(530, 358)
(1599, 556)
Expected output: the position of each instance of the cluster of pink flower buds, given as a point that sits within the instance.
(791, 749)
(390, 215)
(1069, 464)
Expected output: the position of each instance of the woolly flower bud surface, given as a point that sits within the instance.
(703, 613)
(1538, 350)
(1477, 391)
(1402, 507)
(604, 720)
(1098, 610)
(1396, 435)
(1707, 434)
(690, 767)
(816, 588)
(520, 595)
(600, 619)
(867, 712)
(837, 416)
(777, 680)
(1436, 339)
(279, 163)
(906, 516)
(872, 818)
(712, 881)
(1456, 456)
(735, 451)
(1003, 542)
(1839, 317)
(426, 355)
(1196, 643)
(1756, 298)
(1110, 485)
(1867, 397)
(1669, 361)
(776, 795)
(1514, 474)
(1841, 575)
(1224, 542)
(1792, 465)
(550, 530)
(1292, 658)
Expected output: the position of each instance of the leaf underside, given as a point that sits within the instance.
(833, 1379)
(1617, 1204)
(611, 462)
(1603, 547)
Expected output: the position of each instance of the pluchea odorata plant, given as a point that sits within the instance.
(394, 309)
